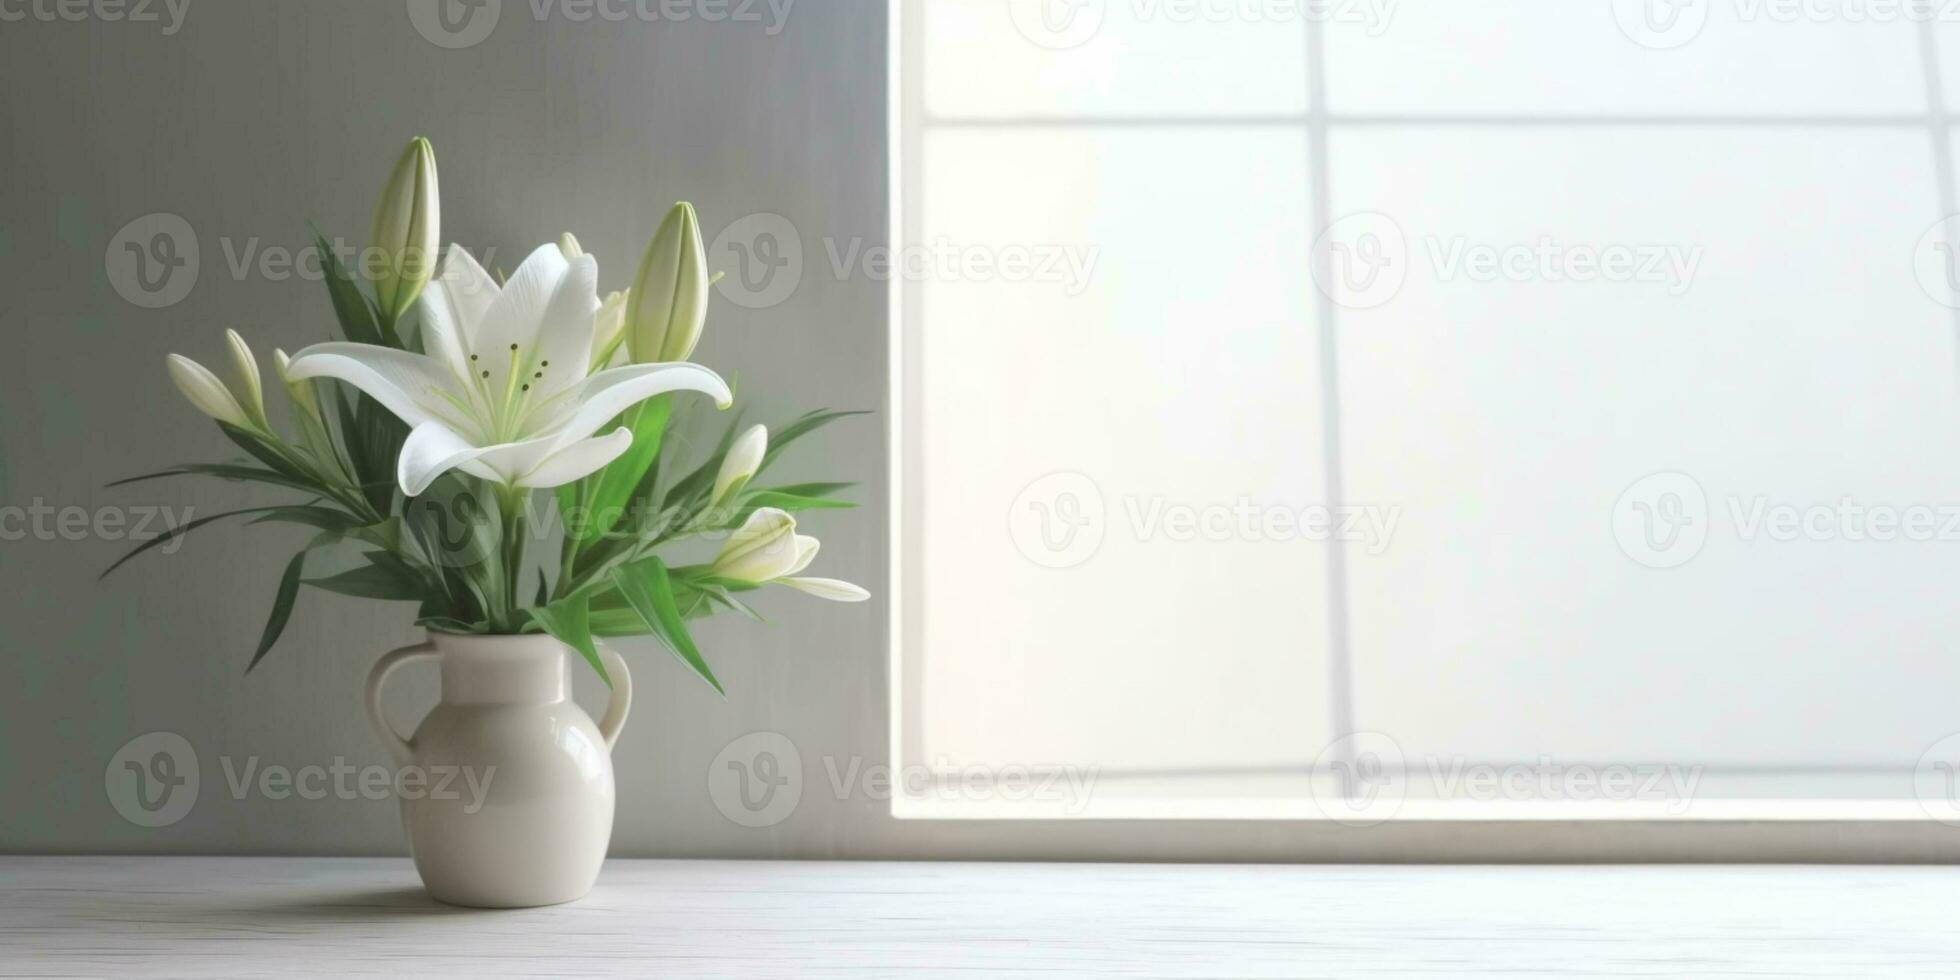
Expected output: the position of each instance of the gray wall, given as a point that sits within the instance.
(256, 117)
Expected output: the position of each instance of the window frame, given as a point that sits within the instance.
(1749, 830)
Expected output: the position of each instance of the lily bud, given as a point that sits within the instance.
(407, 230)
(206, 392)
(301, 392)
(250, 393)
(764, 548)
(568, 244)
(669, 301)
(743, 459)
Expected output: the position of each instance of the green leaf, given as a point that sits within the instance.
(720, 595)
(224, 471)
(615, 484)
(269, 453)
(650, 592)
(350, 307)
(447, 624)
(178, 532)
(791, 501)
(323, 518)
(778, 441)
(702, 479)
(384, 577)
(809, 489)
(568, 620)
(618, 622)
(282, 609)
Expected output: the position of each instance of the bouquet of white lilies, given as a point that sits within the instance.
(421, 437)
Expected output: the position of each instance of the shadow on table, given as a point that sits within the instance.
(372, 905)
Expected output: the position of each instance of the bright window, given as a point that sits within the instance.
(1429, 409)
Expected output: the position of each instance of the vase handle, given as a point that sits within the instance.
(622, 694)
(402, 749)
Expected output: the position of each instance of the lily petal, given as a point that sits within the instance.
(516, 318)
(468, 289)
(806, 552)
(578, 460)
(432, 450)
(443, 327)
(410, 385)
(564, 345)
(599, 398)
(836, 590)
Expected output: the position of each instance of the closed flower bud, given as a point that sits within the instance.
(669, 300)
(407, 230)
(743, 459)
(250, 393)
(205, 391)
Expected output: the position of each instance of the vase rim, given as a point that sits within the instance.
(495, 643)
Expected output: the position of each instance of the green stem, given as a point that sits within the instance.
(513, 500)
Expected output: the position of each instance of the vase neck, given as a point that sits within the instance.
(503, 669)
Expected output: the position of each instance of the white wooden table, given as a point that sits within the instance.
(259, 916)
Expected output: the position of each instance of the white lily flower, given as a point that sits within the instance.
(767, 549)
(505, 391)
(743, 459)
(250, 391)
(206, 392)
(568, 244)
